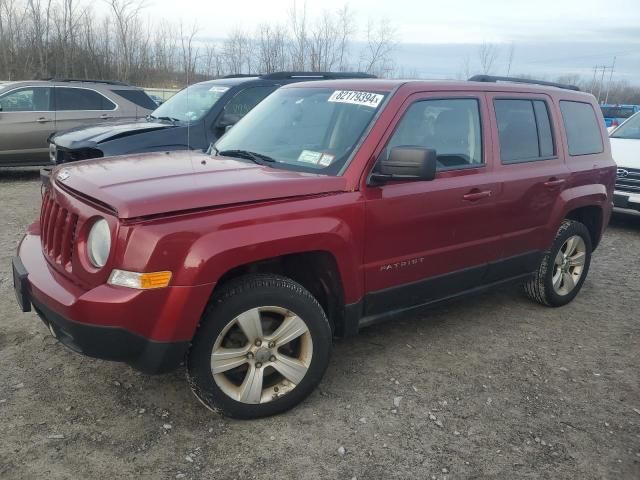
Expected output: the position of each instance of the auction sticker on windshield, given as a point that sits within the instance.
(367, 99)
(218, 89)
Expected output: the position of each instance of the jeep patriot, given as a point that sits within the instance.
(330, 206)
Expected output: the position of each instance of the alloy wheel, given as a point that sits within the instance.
(569, 265)
(261, 355)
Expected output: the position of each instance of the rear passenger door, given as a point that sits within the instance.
(77, 106)
(533, 172)
(427, 240)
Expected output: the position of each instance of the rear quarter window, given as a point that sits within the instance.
(583, 129)
(138, 97)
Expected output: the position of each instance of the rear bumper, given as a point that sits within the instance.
(149, 330)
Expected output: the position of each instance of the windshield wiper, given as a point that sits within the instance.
(255, 157)
(171, 119)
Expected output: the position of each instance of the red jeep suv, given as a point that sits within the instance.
(331, 206)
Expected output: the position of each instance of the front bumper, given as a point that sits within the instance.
(626, 200)
(149, 330)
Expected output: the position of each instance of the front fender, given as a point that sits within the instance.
(214, 254)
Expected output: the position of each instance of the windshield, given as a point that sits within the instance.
(308, 129)
(192, 103)
(629, 129)
(617, 112)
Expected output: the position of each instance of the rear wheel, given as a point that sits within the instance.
(564, 267)
(262, 347)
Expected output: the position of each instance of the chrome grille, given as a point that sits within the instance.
(57, 231)
(628, 180)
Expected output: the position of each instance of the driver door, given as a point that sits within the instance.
(432, 239)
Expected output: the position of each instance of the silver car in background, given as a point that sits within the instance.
(30, 111)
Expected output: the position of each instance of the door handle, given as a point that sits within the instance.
(42, 120)
(104, 116)
(554, 182)
(475, 195)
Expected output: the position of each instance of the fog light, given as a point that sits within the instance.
(140, 281)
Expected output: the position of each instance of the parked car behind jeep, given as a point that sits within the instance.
(330, 206)
(31, 111)
(625, 148)
(192, 119)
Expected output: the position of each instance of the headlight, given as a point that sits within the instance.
(53, 152)
(99, 243)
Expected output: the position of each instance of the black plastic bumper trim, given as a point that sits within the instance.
(113, 343)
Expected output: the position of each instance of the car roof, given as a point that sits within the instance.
(386, 85)
(228, 82)
(72, 83)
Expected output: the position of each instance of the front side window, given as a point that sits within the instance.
(629, 129)
(36, 99)
(451, 127)
(305, 129)
(243, 103)
(81, 99)
(192, 103)
(582, 127)
(524, 129)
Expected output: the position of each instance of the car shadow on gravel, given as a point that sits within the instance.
(629, 221)
(19, 174)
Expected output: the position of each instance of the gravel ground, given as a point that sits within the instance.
(491, 386)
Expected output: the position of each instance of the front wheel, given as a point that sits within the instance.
(262, 347)
(564, 266)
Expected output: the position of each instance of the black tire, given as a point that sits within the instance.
(233, 299)
(540, 286)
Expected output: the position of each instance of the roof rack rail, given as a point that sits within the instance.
(86, 80)
(241, 75)
(326, 75)
(493, 78)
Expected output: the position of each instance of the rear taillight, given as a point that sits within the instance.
(614, 123)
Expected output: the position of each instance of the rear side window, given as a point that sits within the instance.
(81, 99)
(138, 97)
(524, 129)
(582, 127)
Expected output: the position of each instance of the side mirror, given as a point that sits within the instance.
(406, 163)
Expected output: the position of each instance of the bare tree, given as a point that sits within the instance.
(126, 15)
(380, 43)
(487, 55)
(237, 52)
(189, 52)
(510, 54)
(272, 48)
(299, 43)
(346, 30)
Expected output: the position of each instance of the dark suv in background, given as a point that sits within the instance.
(192, 119)
(31, 111)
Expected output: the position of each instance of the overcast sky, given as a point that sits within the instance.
(551, 37)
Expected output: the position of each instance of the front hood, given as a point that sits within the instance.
(94, 135)
(626, 152)
(158, 183)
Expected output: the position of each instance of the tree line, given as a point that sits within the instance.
(68, 39)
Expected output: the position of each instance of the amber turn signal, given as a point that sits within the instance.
(140, 281)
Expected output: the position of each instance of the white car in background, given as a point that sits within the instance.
(625, 149)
